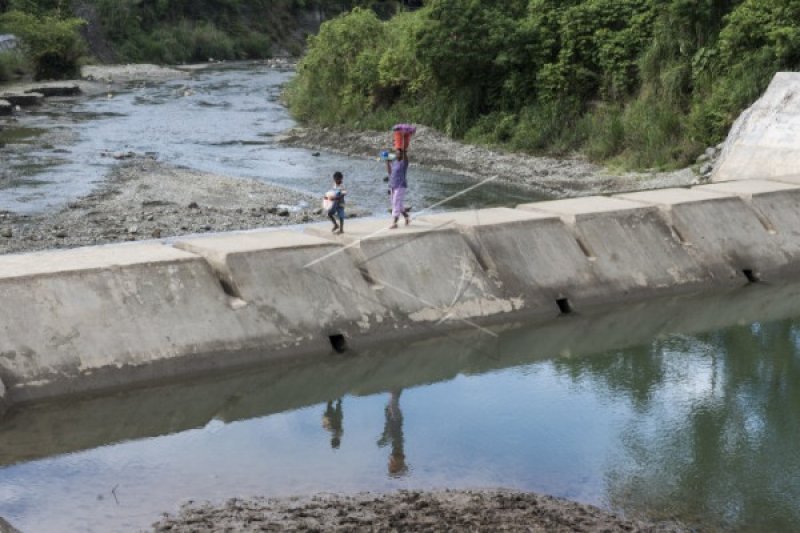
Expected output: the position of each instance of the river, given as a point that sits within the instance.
(684, 408)
(224, 120)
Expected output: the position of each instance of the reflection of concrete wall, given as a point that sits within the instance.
(97, 317)
(57, 427)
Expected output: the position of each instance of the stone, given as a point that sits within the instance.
(56, 89)
(6, 107)
(156, 233)
(7, 233)
(133, 230)
(702, 158)
(22, 99)
(272, 210)
(193, 205)
(61, 234)
(283, 213)
(707, 168)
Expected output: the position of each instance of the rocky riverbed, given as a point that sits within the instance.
(571, 176)
(146, 199)
(406, 511)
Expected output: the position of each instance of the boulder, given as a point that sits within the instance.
(6, 107)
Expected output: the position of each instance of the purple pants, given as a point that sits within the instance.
(398, 195)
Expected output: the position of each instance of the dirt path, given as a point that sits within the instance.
(429, 148)
(406, 511)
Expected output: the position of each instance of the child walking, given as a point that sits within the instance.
(334, 203)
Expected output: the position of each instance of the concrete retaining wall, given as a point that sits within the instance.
(98, 317)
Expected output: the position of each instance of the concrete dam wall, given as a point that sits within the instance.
(99, 317)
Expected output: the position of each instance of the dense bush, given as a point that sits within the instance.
(52, 44)
(643, 83)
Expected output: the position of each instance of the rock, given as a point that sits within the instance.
(6, 107)
(156, 233)
(22, 99)
(702, 158)
(193, 205)
(306, 218)
(710, 152)
(123, 155)
(7, 233)
(721, 146)
(133, 230)
(5, 527)
(56, 89)
(283, 213)
(272, 210)
(315, 154)
(61, 234)
(707, 168)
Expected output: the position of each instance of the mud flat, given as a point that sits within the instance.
(571, 176)
(146, 199)
(495, 510)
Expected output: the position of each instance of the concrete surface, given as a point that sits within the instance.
(295, 281)
(725, 233)
(632, 251)
(762, 143)
(98, 317)
(426, 273)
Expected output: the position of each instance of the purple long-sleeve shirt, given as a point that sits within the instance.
(398, 175)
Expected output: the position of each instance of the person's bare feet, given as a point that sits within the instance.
(393, 226)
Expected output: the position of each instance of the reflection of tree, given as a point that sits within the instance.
(718, 422)
(332, 421)
(635, 372)
(393, 434)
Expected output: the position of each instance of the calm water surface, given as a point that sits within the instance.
(223, 120)
(684, 408)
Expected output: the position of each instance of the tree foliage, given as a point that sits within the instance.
(645, 83)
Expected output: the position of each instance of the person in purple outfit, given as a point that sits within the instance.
(397, 186)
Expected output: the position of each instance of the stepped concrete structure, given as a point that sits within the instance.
(100, 317)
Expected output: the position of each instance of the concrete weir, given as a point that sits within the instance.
(99, 317)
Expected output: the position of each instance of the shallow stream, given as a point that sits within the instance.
(684, 408)
(223, 120)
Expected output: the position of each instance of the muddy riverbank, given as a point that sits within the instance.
(556, 177)
(406, 511)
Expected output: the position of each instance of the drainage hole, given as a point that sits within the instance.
(338, 343)
(751, 276)
(564, 305)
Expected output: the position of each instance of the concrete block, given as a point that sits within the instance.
(532, 254)
(722, 229)
(76, 313)
(425, 273)
(632, 251)
(776, 204)
(307, 286)
(762, 143)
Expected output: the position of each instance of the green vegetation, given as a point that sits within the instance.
(636, 83)
(159, 31)
(51, 42)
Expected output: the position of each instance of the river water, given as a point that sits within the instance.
(684, 408)
(223, 120)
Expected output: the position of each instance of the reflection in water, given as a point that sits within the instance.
(684, 408)
(393, 435)
(332, 422)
